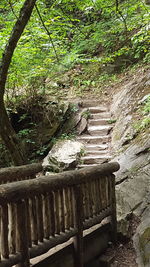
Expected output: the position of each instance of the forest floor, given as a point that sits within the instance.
(123, 253)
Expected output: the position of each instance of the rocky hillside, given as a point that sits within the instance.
(131, 147)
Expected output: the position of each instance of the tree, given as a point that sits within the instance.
(61, 34)
(7, 132)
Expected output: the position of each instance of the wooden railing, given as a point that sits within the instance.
(25, 172)
(38, 214)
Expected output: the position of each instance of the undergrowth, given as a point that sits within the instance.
(144, 122)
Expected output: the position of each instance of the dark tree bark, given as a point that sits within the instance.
(7, 132)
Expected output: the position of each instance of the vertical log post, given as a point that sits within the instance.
(22, 234)
(4, 232)
(52, 214)
(34, 227)
(67, 209)
(28, 222)
(78, 239)
(57, 211)
(12, 228)
(62, 211)
(39, 210)
(113, 208)
(46, 216)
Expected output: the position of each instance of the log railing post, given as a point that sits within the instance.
(113, 208)
(4, 232)
(78, 239)
(22, 234)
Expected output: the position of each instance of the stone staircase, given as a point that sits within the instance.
(97, 138)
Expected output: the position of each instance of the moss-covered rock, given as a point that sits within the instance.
(142, 242)
(64, 155)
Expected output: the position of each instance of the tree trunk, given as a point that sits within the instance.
(7, 133)
(10, 139)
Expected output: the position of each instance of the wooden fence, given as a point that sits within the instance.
(14, 174)
(38, 214)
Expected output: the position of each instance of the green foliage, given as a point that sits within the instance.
(82, 152)
(68, 136)
(86, 114)
(111, 121)
(41, 151)
(26, 135)
(146, 108)
(70, 33)
(64, 136)
(89, 40)
(73, 108)
(144, 123)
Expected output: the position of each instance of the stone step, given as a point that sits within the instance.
(104, 115)
(95, 159)
(92, 122)
(96, 153)
(98, 132)
(90, 103)
(92, 147)
(99, 129)
(94, 139)
(86, 165)
(98, 109)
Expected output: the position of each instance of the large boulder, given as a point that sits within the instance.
(77, 120)
(142, 238)
(132, 151)
(64, 155)
(133, 185)
(82, 126)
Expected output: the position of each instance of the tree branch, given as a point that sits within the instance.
(10, 3)
(121, 15)
(48, 33)
(20, 24)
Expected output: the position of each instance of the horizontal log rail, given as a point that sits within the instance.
(19, 173)
(41, 213)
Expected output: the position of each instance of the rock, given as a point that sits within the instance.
(130, 196)
(64, 155)
(50, 173)
(142, 243)
(82, 126)
(132, 183)
(132, 180)
(124, 105)
(50, 119)
(132, 159)
(72, 120)
(144, 99)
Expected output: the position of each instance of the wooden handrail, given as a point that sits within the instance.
(40, 185)
(48, 210)
(12, 174)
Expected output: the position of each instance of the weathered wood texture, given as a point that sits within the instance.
(41, 213)
(12, 174)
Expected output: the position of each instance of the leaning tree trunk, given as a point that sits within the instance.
(7, 133)
(10, 139)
